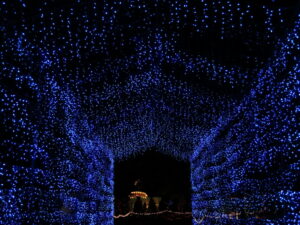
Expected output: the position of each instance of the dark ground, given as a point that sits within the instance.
(164, 219)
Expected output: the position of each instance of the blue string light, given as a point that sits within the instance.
(85, 84)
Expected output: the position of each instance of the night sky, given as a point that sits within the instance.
(160, 175)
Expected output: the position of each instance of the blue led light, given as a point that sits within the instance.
(85, 84)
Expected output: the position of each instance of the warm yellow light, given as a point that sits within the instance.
(140, 194)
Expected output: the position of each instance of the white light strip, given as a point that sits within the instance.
(198, 221)
(149, 214)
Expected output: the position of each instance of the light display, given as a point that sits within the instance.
(86, 83)
(135, 194)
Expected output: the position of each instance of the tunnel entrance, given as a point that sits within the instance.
(152, 188)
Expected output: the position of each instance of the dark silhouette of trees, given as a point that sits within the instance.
(138, 205)
(152, 207)
(163, 205)
(174, 206)
(144, 207)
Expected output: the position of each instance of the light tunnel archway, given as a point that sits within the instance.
(85, 82)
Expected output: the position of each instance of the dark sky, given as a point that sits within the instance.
(160, 175)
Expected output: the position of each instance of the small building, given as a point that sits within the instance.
(138, 194)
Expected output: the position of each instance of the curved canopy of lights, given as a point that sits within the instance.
(84, 83)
